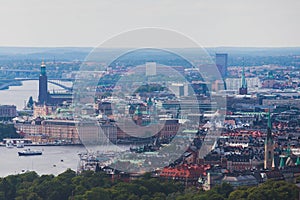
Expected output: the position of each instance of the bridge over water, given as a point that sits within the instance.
(58, 82)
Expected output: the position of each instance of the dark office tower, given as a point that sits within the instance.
(221, 62)
(43, 87)
(243, 88)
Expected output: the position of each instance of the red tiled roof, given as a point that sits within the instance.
(184, 171)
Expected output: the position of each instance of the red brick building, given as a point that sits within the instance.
(188, 174)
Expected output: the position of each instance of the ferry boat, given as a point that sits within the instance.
(28, 152)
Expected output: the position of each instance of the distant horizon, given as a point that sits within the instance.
(58, 46)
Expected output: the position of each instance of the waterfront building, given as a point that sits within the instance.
(30, 130)
(42, 110)
(47, 98)
(7, 112)
(66, 131)
(60, 131)
(43, 85)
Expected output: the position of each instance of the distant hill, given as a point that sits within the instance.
(285, 56)
(47, 53)
(257, 51)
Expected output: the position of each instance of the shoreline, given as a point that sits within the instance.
(43, 145)
(5, 86)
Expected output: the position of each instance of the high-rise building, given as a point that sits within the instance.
(269, 146)
(178, 89)
(43, 85)
(150, 69)
(221, 62)
(243, 89)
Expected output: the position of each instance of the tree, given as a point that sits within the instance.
(29, 176)
(238, 194)
(159, 196)
(8, 131)
(224, 189)
(133, 197)
(97, 193)
(33, 196)
(30, 103)
(145, 197)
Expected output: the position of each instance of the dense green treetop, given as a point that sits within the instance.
(97, 185)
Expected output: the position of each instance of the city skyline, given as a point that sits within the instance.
(143, 99)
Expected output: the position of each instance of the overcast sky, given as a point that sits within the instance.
(90, 22)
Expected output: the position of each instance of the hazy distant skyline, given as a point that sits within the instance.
(212, 23)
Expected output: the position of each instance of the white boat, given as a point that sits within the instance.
(20, 145)
(9, 145)
(28, 152)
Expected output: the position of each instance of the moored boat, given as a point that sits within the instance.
(9, 145)
(28, 152)
(20, 145)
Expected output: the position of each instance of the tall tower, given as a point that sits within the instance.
(221, 62)
(269, 145)
(243, 89)
(43, 85)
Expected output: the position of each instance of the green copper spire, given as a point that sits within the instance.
(244, 82)
(269, 129)
(138, 111)
(270, 75)
(43, 69)
(288, 151)
(281, 164)
(298, 161)
(269, 119)
(149, 102)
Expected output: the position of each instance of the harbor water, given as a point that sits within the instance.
(54, 160)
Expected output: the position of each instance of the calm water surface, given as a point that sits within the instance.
(54, 160)
(18, 95)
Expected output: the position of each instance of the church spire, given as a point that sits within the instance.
(269, 119)
(243, 89)
(269, 145)
(269, 129)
